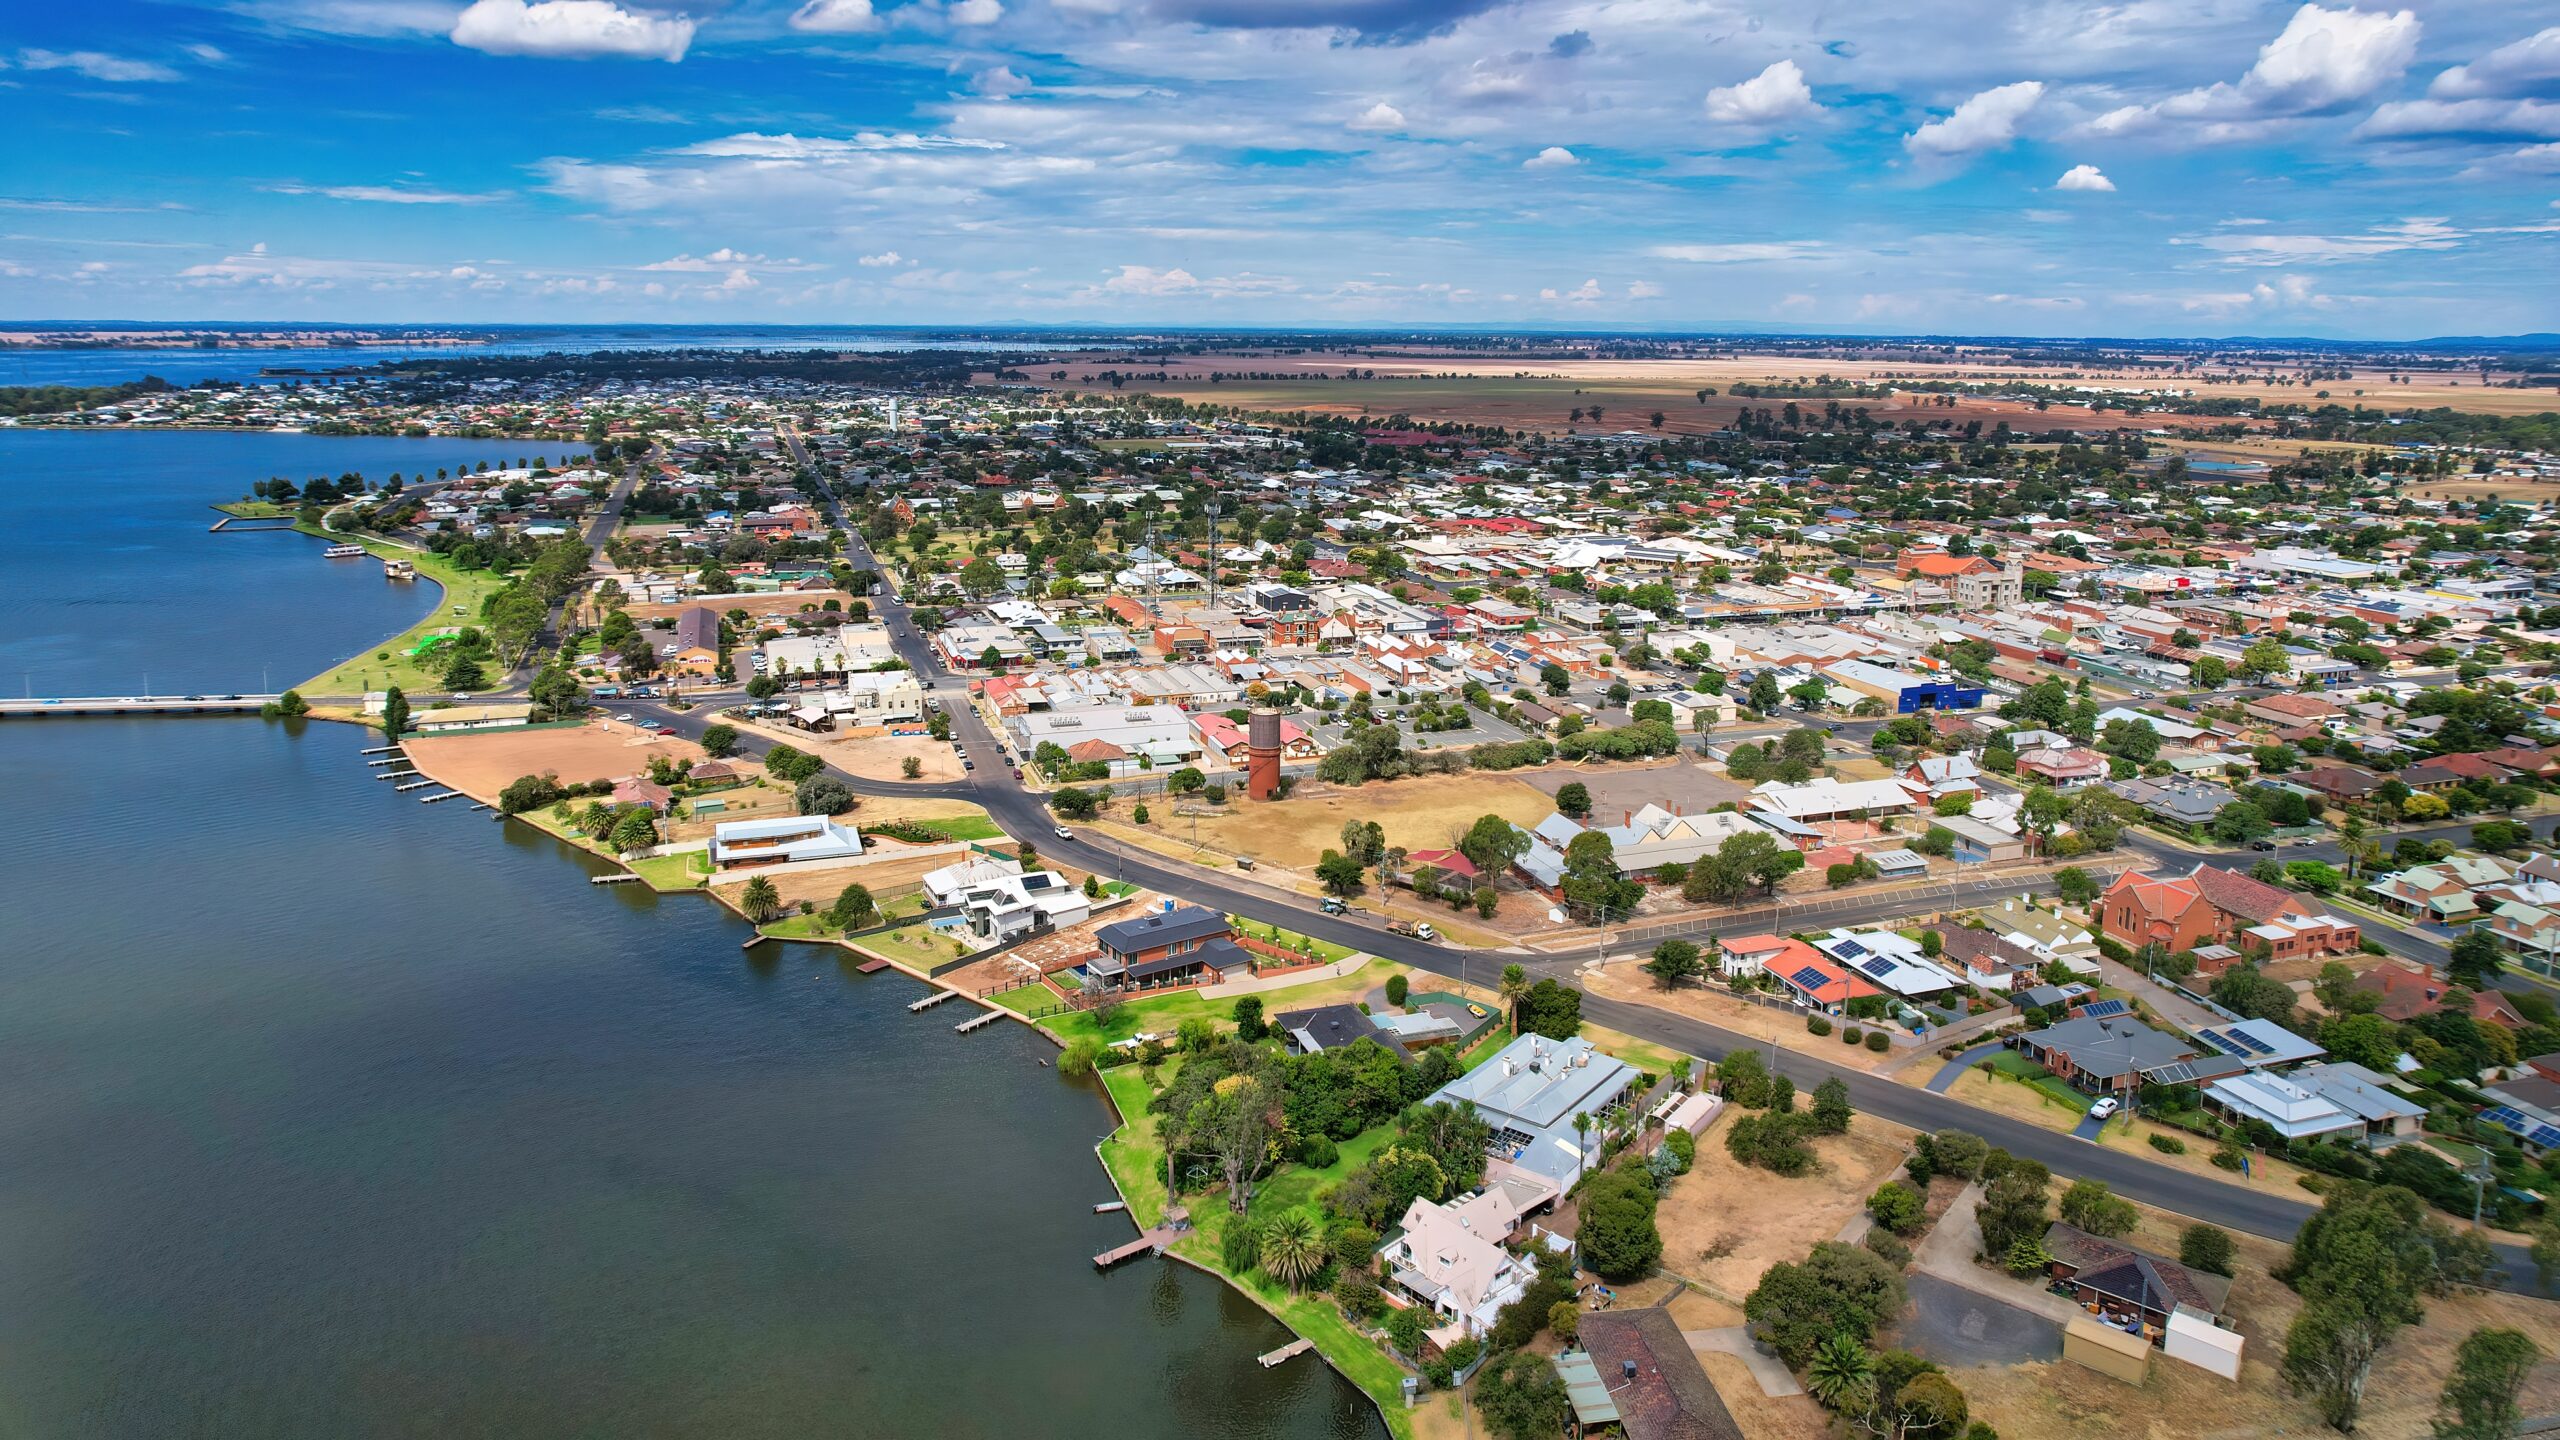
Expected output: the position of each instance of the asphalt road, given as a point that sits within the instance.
(1025, 816)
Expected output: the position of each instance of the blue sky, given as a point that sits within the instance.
(2153, 167)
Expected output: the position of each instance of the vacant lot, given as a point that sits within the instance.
(1724, 1223)
(1690, 787)
(1431, 812)
(482, 765)
(2179, 1401)
(873, 754)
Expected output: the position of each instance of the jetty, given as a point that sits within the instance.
(380, 749)
(413, 785)
(932, 1000)
(431, 799)
(1292, 1349)
(1111, 1207)
(625, 878)
(1152, 1242)
(871, 967)
(974, 1021)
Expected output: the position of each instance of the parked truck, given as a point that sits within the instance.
(1418, 929)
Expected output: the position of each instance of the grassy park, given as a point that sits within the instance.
(391, 663)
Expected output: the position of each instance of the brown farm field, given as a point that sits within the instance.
(1541, 394)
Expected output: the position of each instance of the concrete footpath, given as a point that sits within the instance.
(1735, 1340)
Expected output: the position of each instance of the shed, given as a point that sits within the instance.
(2107, 1349)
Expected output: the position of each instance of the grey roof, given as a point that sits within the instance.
(1330, 1027)
(2117, 1045)
(1161, 927)
(1537, 1082)
(697, 628)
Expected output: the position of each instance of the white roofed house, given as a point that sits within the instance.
(1825, 798)
(1531, 1094)
(1890, 961)
(1450, 1258)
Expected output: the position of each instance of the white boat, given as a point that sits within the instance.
(343, 552)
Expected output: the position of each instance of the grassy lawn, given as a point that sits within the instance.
(1651, 1059)
(1485, 1048)
(1161, 1015)
(389, 663)
(2043, 1081)
(1137, 1166)
(1023, 999)
(1291, 940)
(254, 510)
(674, 872)
(801, 927)
(915, 945)
(962, 827)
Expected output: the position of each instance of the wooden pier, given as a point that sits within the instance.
(1292, 1349)
(1153, 1242)
(389, 760)
(380, 750)
(932, 1000)
(412, 785)
(871, 967)
(974, 1021)
(625, 878)
(431, 799)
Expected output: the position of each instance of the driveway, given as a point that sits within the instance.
(2088, 1128)
(1948, 1072)
(1953, 1325)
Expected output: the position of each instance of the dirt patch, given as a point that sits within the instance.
(481, 765)
(1724, 1222)
(758, 607)
(883, 879)
(873, 755)
(1427, 813)
(1789, 1417)
(1626, 980)
(1693, 788)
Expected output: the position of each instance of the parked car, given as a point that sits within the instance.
(1331, 905)
(625, 717)
(2105, 1109)
(666, 730)
(1062, 832)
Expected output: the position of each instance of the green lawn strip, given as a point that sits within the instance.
(673, 872)
(253, 510)
(1161, 1015)
(800, 927)
(1651, 1059)
(2043, 1081)
(1023, 999)
(1486, 1048)
(469, 589)
(1290, 940)
(914, 944)
(961, 827)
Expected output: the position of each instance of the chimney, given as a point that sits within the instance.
(1627, 1368)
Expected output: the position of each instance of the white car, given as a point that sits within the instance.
(2105, 1109)
(625, 719)
(1063, 832)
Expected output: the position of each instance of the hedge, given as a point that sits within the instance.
(1817, 1025)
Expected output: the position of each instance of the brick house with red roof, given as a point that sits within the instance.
(2208, 904)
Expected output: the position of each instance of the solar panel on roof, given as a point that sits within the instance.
(1876, 965)
(1851, 949)
(2101, 1009)
(1811, 979)
(2545, 1136)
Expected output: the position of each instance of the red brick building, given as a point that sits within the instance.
(2209, 905)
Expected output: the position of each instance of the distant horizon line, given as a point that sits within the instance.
(1396, 330)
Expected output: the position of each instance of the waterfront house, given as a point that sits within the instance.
(1532, 1093)
(1186, 945)
(739, 844)
(1331, 1027)
(1449, 1258)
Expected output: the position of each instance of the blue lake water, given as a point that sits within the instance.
(327, 1114)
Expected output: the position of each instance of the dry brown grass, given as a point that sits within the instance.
(1425, 813)
(2178, 1401)
(482, 765)
(1724, 1222)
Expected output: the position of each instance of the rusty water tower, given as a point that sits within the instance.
(1262, 754)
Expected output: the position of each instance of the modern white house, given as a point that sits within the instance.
(1890, 961)
(864, 698)
(789, 841)
(845, 650)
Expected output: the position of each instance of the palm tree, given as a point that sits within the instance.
(760, 900)
(1515, 988)
(1841, 1375)
(1293, 1250)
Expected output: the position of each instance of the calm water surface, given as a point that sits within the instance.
(327, 1114)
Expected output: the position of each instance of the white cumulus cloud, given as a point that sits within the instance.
(95, 64)
(1985, 122)
(1775, 94)
(1554, 157)
(568, 29)
(1380, 117)
(2324, 61)
(885, 257)
(1745, 252)
(2084, 177)
(835, 17)
(976, 12)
